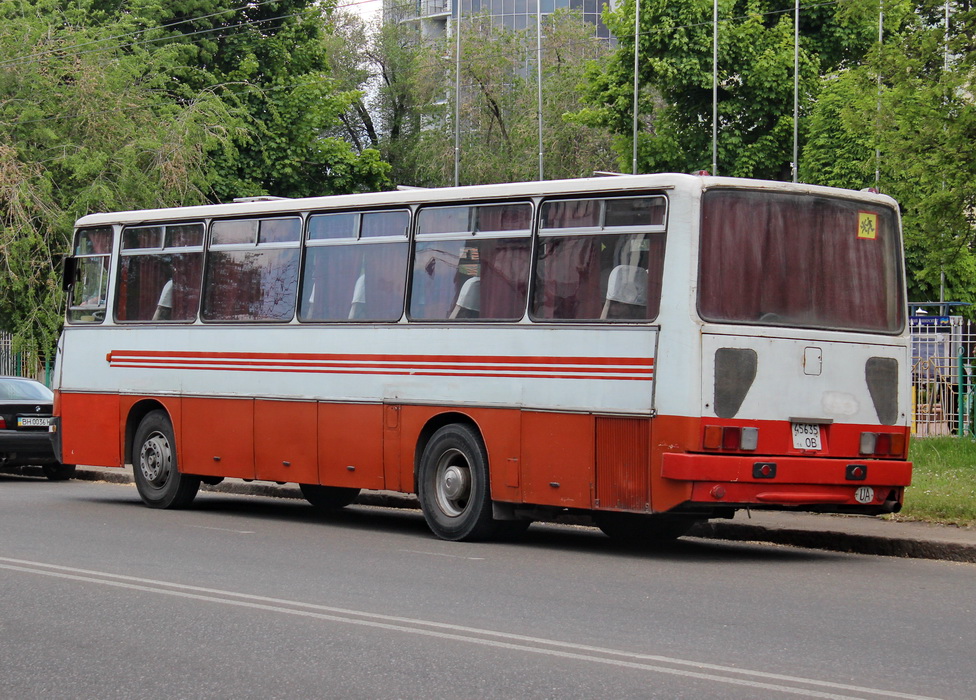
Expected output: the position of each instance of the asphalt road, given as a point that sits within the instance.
(253, 597)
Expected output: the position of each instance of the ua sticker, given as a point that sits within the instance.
(865, 495)
(867, 225)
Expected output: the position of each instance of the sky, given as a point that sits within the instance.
(364, 8)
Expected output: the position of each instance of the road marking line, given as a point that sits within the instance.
(223, 529)
(441, 554)
(459, 633)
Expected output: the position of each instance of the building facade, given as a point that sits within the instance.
(437, 17)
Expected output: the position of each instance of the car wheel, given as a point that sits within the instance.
(58, 471)
(453, 486)
(158, 479)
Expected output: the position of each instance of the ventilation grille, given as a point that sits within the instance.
(735, 371)
(881, 374)
(622, 463)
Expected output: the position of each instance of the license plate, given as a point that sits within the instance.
(33, 421)
(806, 436)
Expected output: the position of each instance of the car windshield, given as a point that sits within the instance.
(23, 390)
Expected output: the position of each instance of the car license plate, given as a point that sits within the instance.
(33, 421)
(806, 436)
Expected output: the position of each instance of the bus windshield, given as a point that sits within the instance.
(783, 259)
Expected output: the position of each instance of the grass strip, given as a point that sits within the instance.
(943, 486)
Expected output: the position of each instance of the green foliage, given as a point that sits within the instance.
(268, 62)
(755, 81)
(411, 117)
(943, 481)
(905, 121)
(84, 128)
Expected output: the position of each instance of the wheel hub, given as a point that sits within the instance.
(154, 458)
(455, 482)
(452, 486)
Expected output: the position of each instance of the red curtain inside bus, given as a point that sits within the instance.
(143, 293)
(258, 285)
(358, 281)
(796, 260)
(601, 277)
(442, 269)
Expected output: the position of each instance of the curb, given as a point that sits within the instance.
(834, 541)
(826, 540)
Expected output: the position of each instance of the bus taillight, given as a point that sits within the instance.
(883, 444)
(731, 438)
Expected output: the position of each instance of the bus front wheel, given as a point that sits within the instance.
(158, 479)
(453, 485)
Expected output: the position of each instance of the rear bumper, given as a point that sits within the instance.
(21, 448)
(807, 483)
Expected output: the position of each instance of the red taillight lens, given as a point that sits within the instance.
(883, 445)
(3, 423)
(731, 438)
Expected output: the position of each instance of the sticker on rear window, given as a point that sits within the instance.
(867, 225)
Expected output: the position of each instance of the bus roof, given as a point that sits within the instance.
(614, 184)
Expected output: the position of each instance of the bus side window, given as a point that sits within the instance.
(600, 259)
(160, 271)
(355, 266)
(252, 270)
(89, 288)
(471, 262)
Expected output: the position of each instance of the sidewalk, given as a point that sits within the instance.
(837, 533)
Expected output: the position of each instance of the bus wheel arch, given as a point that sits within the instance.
(138, 411)
(155, 466)
(453, 484)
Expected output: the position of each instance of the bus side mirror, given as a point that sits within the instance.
(69, 266)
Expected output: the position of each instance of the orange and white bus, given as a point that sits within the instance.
(653, 350)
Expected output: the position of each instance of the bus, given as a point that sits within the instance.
(650, 350)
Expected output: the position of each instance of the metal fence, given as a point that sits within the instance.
(15, 364)
(943, 386)
(9, 361)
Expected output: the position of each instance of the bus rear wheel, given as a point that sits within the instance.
(452, 485)
(328, 497)
(158, 479)
(632, 528)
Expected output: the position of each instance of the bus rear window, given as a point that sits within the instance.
(800, 261)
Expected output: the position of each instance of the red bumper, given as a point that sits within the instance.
(788, 481)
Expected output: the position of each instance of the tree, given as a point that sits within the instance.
(904, 120)
(268, 62)
(755, 81)
(410, 106)
(84, 126)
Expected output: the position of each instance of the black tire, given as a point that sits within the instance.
(328, 497)
(643, 529)
(58, 471)
(453, 486)
(154, 466)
